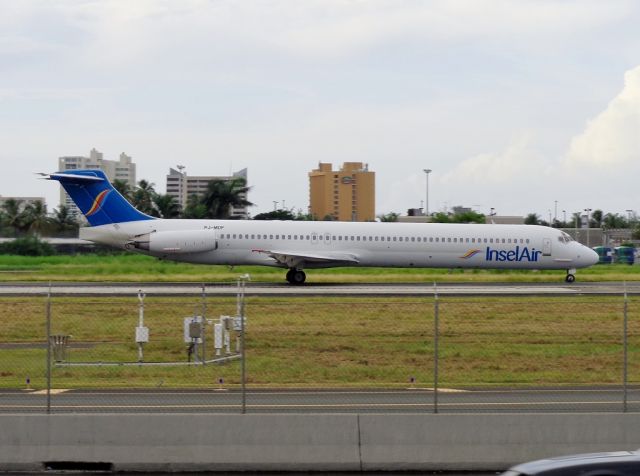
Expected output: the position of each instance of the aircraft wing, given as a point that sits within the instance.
(300, 260)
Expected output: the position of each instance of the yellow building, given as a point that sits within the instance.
(348, 194)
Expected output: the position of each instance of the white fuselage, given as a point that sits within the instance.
(403, 245)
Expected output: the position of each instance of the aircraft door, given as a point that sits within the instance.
(546, 247)
(314, 238)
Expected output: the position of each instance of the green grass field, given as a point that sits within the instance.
(331, 342)
(139, 268)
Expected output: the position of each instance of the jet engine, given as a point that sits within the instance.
(176, 242)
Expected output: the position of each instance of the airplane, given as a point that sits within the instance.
(300, 245)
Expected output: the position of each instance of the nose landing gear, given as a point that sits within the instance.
(296, 276)
(571, 277)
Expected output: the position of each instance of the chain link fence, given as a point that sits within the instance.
(319, 353)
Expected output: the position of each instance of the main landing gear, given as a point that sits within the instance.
(296, 276)
(571, 277)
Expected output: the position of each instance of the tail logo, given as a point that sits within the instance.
(97, 203)
(470, 254)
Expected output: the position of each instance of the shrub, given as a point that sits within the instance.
(27, 246)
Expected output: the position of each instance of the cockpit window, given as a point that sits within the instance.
(564, 237)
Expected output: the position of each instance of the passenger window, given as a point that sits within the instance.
(394, 238)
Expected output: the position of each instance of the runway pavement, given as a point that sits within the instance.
(318, 400)
(272, 289)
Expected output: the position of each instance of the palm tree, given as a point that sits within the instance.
(166, 206)
(13, 216)
(35, 217)
(222, 195)
(122, 186)
(63, 220)
(142, 198)
(194, 208)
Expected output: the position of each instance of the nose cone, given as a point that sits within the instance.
(590, 257)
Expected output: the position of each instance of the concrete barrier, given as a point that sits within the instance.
(323, 442)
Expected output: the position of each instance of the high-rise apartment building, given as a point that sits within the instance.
(181, 186)
(122, 169)
(348, 194)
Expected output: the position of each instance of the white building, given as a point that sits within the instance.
(181, 186)
(122, 169)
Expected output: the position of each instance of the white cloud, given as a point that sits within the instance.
(516, 162)
(613, 137)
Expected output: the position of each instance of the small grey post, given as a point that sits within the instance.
(48, 311)
(436, 332)
(625, 365)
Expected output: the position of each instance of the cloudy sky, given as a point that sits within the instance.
(513, 104)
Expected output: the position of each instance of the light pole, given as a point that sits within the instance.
(426, 203)
(275, 205)
(588, 210)
(629, 212)
(555, 211)
(564, 217)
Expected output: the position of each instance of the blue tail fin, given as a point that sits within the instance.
(96, 198)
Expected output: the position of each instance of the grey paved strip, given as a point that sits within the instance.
(270, 289)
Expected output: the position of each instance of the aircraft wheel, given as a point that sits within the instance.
(289, 276)
(570, 278)
(298, 277)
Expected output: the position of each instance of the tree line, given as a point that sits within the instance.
(597, 219)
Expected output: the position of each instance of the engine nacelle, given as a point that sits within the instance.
(176, 242)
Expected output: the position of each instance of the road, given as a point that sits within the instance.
(272, 289)
(300, 401)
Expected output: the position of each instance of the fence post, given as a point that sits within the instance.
(625, 365)
(240, 310)
(203, 325)
(48, 314)
(436, 335)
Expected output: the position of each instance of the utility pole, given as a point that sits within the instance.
(426, 203)
(588, 210)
